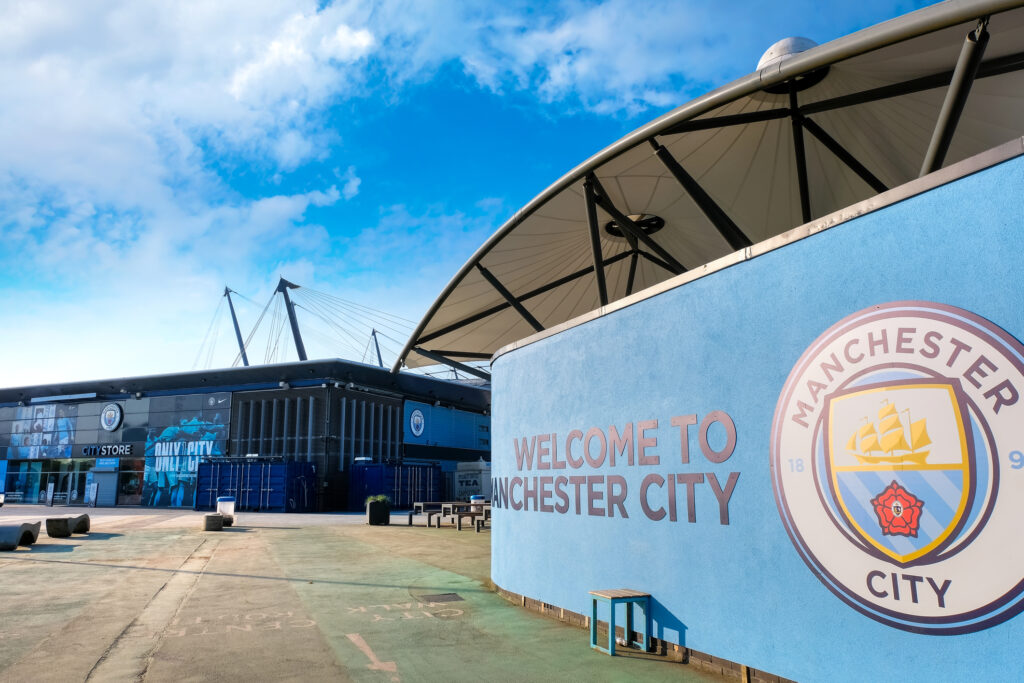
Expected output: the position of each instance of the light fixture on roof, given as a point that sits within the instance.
(783, 50)
(647, 222)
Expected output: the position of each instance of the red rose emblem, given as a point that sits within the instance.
(898, 510)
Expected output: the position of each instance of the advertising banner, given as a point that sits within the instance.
(45, 431)
(176, 444)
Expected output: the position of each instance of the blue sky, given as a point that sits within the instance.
(155, 152)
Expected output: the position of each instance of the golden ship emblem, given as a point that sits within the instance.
(890, 441)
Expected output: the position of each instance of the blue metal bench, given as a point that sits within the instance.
(620, 596)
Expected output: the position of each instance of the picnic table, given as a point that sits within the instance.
(428, 508)
(465, 510)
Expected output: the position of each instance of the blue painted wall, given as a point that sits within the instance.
(447, 427)
(728, 342)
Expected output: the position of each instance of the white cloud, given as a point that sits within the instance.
(119, 118)
(351, 187)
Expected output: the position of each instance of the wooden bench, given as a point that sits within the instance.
(62, 527)
(13, 535)
(620, 596)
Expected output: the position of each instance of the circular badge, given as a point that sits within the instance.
(897, 460)
(110, 416)
(417, 422)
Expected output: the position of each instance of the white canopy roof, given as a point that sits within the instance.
(725, 171)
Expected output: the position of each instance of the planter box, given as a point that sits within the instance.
(378, 513)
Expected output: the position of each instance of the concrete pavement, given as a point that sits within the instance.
(148, 596)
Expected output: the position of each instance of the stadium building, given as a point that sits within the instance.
(313, 435)
(761, 360)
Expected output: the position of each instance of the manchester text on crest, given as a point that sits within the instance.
(862, 346)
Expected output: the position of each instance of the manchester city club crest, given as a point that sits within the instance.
(417, 422)
(897, 467)
(110, 416)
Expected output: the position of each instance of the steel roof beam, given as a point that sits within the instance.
(510, 298)
(529, 295)
(655, 260)
(843, 155)
(993, 67)
(727, 120)
(468, 369)
(731, 232)
(956, 97)
(633, 257)
(472, 355)
(628, 226)
(238, 331)
(595, 241)
(283, 286)
(801, 156)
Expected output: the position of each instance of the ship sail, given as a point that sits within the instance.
(890, 423)
(868, 439)
(890, 436)
(894, 440)
(918, 435)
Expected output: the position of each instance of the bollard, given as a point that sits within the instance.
(213, 522)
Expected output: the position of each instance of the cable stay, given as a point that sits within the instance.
(336, 327)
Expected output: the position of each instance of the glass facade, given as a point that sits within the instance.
(153, 444)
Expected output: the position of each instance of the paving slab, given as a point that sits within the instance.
(148, 596)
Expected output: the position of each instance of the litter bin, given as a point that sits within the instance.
(477, 503)
(226, 507)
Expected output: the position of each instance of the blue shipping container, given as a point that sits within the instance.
(258, 485)
(403, 484)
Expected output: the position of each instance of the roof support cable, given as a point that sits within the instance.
(510, 298)
(255, 327)
(468, 369)
(843, 155)
(595, 241)
(731, 232)
(801, 156)
(966, 71)
(629, 227)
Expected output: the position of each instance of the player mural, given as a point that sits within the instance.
(41, 432)
(896, 470)
(173, 452)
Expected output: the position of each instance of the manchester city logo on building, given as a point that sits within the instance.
(897, 460)
(110, 416)
(417, 422)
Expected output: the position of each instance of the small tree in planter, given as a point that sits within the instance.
(378, 509)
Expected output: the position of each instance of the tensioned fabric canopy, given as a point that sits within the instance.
(796, 140)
